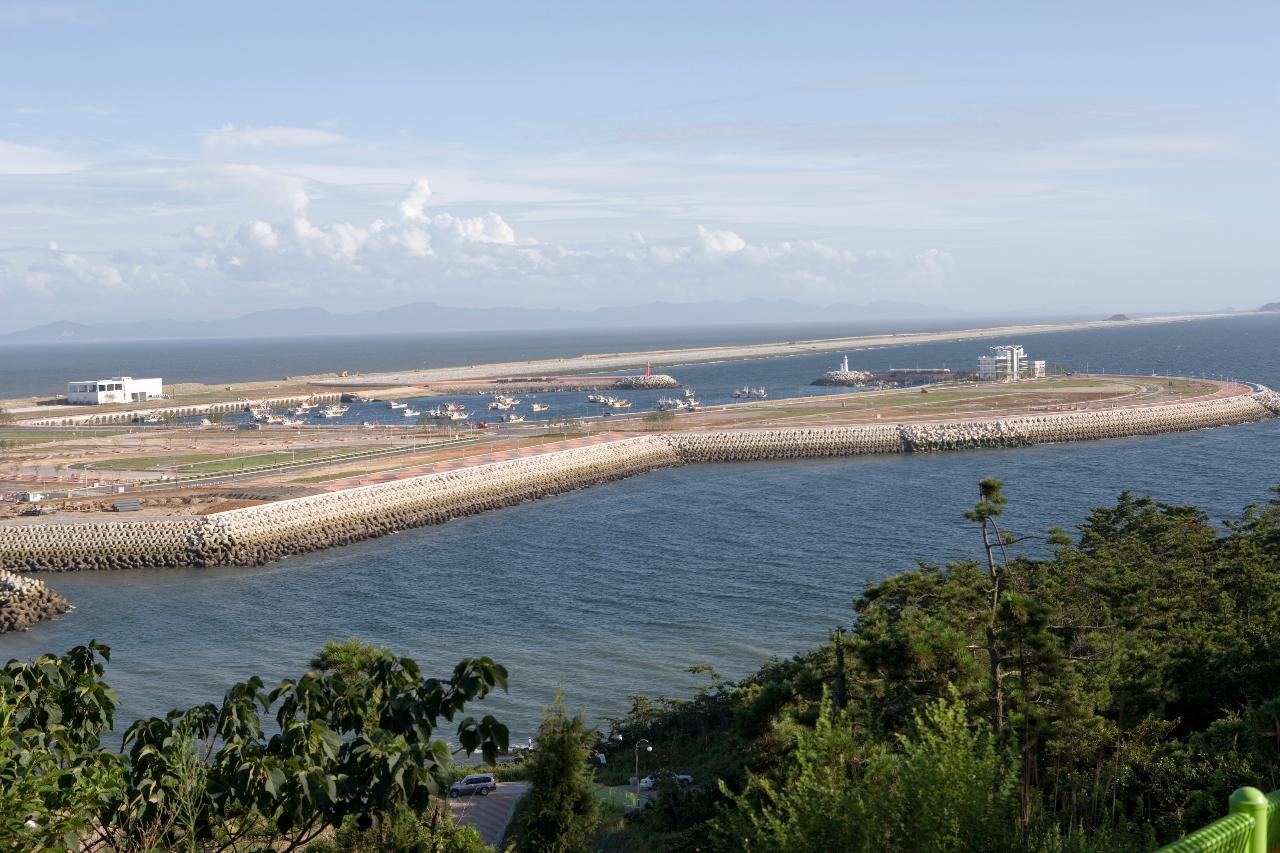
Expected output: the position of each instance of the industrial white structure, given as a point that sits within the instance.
(1008, 364)
(117, 389)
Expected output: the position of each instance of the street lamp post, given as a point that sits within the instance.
(648, 747)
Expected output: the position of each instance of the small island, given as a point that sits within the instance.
(1119, 318)
(1271, 306)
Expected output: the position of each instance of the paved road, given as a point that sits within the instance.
(490, 815)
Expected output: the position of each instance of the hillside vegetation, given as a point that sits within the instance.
(1106, 697)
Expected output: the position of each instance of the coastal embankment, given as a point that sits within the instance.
(268, 532)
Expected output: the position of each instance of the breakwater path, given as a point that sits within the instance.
(383, 504)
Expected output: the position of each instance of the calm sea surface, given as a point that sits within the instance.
(615, 590)
(35, 369)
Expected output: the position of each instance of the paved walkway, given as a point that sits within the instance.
(491, 814)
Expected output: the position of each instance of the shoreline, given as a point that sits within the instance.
(201, 398)
(599, 362)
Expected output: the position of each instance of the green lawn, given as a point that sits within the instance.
(13, 438)
(146, 463)
(224, 464)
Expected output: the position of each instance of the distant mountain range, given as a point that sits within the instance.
(420, 317)
(1270, 306)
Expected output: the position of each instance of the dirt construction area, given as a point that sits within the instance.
(77, 473)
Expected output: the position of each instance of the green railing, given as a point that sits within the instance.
(1253, 826)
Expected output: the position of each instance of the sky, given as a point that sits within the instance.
(205, 160)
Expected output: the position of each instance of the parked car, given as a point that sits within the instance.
(478, 783)
(648, 783)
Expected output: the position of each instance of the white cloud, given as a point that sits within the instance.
(716, 242)
(230, 137)
(413, 205)
(453, 258)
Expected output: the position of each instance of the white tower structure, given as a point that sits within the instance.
(1007, 363)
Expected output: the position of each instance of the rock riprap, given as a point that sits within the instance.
(845, 378)
(26, 601)
(653, 382)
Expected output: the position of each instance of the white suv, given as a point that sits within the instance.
(479, 783)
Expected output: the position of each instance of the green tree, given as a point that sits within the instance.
(942, 786)
(343, 747)
(54, 778)
(406, 831)
(561, 809)
(352, 659)
(351, 742)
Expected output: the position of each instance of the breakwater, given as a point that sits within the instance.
(26, 601)
(648, 382)
(261, 534)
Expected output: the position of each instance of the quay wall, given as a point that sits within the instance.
(187, 411)
(261, 534)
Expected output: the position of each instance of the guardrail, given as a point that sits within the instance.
(1251, 826)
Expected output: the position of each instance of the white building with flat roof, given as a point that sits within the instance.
(1008, 364)
(117, 389)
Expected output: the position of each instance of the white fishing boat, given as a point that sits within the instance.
(688, 393)
(333, 410)
(512, 418)
(396, 404)
(502, 403)
(457, 415)
(539, 407)
(669, 404)
(595, 398)
(410, 412)
(618, 403)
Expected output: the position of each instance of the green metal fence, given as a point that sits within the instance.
(1253, 826)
